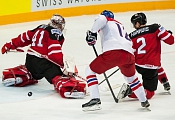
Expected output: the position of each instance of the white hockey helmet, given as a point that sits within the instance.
(57, 21)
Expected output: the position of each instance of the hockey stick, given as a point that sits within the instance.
(46, 57)
(76, 75)
(16, 50)
(112, 92)
(108, 76)
(114, 86)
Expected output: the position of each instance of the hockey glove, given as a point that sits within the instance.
(9, 46)
(91, 38)
(170, 31)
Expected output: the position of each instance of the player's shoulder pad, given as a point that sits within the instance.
(54, 33)
(156, 26)
(101, 18)
(54, 30)
(132, 34)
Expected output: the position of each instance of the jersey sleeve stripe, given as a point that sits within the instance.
(54, 51)
(54, 45)
(161, 32)
(22, 38)
(164, 38)
(27, 36)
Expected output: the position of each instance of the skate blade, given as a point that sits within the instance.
(92, 108)
(147, 108)
(169, 92)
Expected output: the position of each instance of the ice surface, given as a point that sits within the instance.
(46, 104)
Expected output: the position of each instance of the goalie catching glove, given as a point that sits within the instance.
(91, 38)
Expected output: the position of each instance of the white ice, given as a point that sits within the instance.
(46, 104)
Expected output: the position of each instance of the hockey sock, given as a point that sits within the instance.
(138, 89)
(93, 86)
(162, 75)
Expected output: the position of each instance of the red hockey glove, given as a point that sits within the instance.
(9, 46)
(91, 38)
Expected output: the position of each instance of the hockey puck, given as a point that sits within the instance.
(29, 94)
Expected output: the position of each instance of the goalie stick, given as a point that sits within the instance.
(16, 50)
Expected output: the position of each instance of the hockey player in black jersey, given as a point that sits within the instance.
(147, 50)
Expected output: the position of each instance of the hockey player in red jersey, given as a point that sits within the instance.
(45, 40)
(117, 51)
(147, 50)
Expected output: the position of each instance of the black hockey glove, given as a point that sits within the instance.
(170, 31)
(91, 38)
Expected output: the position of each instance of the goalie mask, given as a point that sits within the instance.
(57, 21)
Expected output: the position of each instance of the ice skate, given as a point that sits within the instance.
(146, 105)
(166, 86)
(92, 105)
(125, 90)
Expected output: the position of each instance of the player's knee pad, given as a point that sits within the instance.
(17, 76)
(69, 87)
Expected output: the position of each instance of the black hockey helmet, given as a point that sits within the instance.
(140, 18)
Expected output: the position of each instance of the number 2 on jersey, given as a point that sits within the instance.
(140, 48)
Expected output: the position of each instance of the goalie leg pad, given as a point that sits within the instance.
(18, 76)
(69, 87)
(11, 81)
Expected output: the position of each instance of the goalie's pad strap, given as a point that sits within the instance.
(68, 84)
(10, 76)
